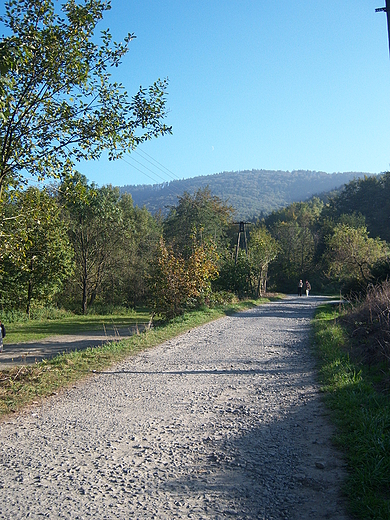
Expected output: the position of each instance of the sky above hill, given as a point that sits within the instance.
(276, 85)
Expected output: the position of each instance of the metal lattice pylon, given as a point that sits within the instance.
(241, 233)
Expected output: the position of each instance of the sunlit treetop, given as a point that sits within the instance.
(58, 102)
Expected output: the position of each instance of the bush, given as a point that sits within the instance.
(36, 313)
(13, 316)
(370, 322)
(380, 272)
(101, 309)
(221, 298)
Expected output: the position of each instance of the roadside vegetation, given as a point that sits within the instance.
(53, 323)
(72, 253)
(352, 345)
(24, 384)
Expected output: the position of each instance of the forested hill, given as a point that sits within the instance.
(369, 197)
(252, 193)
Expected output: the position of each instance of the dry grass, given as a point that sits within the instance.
(369, 325)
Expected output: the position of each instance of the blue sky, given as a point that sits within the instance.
(256, 84)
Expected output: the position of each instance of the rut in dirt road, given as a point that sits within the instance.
(222, 422)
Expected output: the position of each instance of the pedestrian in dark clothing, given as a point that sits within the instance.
(2, 335)
(300, 287)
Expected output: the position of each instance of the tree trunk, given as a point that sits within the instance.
(84, 281)
(29, 298)
(258, 290)
(264, 274)
(84, 300)
(30, 288)
(92, 297)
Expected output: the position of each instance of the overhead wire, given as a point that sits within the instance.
(143, 173)
(161, 167)
(167, 185)
(143, 166)
(165, 170)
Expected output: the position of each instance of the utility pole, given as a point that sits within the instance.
(387, 11)
(241, 231)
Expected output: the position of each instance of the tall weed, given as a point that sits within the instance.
(369, 323)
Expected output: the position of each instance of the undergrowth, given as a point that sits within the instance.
(355, 390)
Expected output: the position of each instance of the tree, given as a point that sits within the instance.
(58, 103)
(37, 257)
(234, 276)
(296, 229)
(201, 212)
(369, 197)
(351, 253)
(95, 228)
(168, 282)
(178, 283)
(201, 269)
(263, 248)
(125, 282)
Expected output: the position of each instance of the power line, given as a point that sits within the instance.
(165, 169)
(167, 187)
(143, 166)
(143, 173)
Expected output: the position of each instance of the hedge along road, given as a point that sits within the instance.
(224, 421)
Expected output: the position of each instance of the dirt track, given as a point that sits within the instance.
(35, 351)
(222, 422)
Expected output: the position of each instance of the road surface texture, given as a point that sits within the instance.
(225, 421)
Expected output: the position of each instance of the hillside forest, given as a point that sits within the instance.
(81, 247)
(252, 193)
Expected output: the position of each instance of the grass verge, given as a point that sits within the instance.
(360, 407)
(23, 385)
(34, 330)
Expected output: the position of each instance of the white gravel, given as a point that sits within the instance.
(225, 421)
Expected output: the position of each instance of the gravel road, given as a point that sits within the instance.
(225, 421)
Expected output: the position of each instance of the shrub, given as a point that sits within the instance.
(36, 313)
(370, 323)
(177, 283)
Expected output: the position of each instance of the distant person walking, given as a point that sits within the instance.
(2, 335)
(307, 287)
(300, 287)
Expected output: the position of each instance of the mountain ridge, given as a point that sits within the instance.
(252, 193)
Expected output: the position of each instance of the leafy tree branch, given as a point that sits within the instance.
(58, 102)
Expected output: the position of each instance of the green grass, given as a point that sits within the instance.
(360, 407)
(22, 385)
(34, 330)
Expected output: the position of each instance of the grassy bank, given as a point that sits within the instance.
(358, 396)
(34, 330)
(22, 385)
